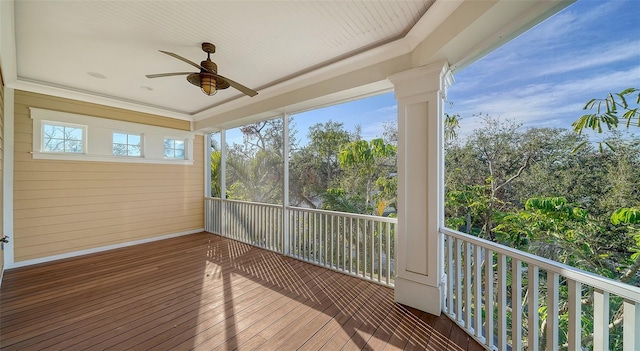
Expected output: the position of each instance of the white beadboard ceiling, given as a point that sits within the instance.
(65, 44)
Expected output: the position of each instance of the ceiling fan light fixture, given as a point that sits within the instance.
(208, 84)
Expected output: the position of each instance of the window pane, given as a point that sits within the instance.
(73, 133)
(120, 149)
(73, 146)
(53, 132)
(179, 144)
(179, 154)
(119, 138)
(168, 153)
(54, 145)
(169, 143)
(56, 132)
(134, 150)
(134, 140)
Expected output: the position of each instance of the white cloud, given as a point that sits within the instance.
(544, 77)
(546, 104)
(372, 130)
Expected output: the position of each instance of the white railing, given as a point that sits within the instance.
(500, 295)
(213, 215)
(249, 222)
(355, 244)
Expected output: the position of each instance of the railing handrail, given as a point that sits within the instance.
(245, 202)
(623, 290)
(345, 214)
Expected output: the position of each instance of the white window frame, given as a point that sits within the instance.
(83, 128)
(186, 148)
(113, 143)
(98, 139)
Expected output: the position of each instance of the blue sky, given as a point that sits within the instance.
(542, 78)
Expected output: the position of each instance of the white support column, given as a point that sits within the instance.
(8, 177)
(420, 93)
(223, 182)
(285, 191)
(207, 165)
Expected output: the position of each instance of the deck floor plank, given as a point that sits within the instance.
(205, 292)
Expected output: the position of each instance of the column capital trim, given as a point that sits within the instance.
(429, 78)
(438, 67)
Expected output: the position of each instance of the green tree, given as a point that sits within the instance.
(337, 199)
(215, 164)
(499, 153)
(365, 158)
(216, 158)
(255, 168)
(314, 168)
(609, 111)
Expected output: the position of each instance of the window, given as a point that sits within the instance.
(67, 136)
(63, 138)
(127, 144)
(174, 148)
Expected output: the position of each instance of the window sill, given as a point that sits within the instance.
(106, 158)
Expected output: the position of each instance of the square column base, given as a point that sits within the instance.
(417, 295)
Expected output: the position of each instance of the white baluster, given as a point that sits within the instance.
(533, 335)
(553, 301)
(450, 277)
(458, 281)
(502, 302)
(600, 320)
(477, 285)
(575, 314)
(516, 304)
(467, 287)
(631, 326)
(388, 247)
(488, 297)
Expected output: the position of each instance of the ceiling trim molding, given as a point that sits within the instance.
(437, 14)
(69, 93)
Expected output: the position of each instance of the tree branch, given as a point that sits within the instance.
(524, 166)
(631, 271)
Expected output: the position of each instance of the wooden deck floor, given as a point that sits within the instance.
(204, 292)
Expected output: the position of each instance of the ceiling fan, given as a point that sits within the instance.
(208, 78)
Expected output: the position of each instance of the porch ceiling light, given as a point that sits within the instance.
(208, 84)
(206, 81)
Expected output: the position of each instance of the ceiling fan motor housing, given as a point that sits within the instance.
(194, 78)
(211, 66)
